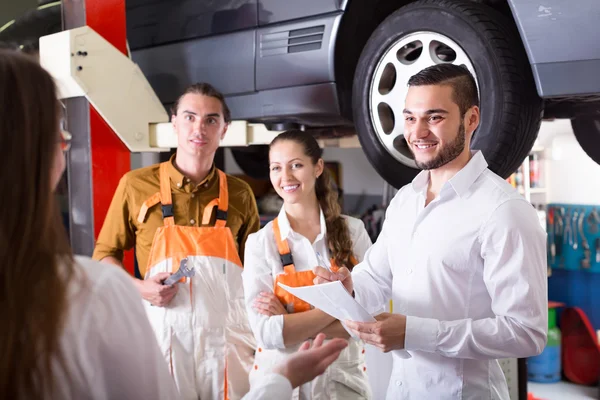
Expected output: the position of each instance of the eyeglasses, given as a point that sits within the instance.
(65, 141)
(65, 138)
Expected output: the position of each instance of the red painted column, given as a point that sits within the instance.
(110, 157)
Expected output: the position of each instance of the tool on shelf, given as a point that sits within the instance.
(559, 235)
(575, 241)
(573, 237)
(551, 234)
(568, 238)
(585, 263)
(593, 221)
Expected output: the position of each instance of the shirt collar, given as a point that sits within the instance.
(285, 230)
(419, 184)
(180, 180)
(462, 181)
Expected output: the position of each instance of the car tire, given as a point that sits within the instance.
(511, 109)
(253, 160)
(587, 132)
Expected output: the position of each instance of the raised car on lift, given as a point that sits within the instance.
(344, 64)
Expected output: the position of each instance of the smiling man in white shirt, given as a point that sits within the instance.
(461, 254)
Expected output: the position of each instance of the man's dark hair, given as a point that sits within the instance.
(464, 88)
(204, 89)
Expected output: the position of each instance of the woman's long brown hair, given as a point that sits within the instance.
(36, 263)
(338, 234)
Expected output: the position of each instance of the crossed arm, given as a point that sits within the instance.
(298, 327)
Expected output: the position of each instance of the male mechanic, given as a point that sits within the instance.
(185, 213)
(461, 253)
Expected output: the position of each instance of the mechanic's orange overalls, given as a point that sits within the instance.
(204, 333)
(346, 378)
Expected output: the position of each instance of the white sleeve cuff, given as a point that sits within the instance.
(273, 333)
(421, 334)
(271, 386)
(283, 385)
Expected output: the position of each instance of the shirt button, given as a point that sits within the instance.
(178, 184)
(193, 195)
(398, 383)
(192, 221)
(206, 184)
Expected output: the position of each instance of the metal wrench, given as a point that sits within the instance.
(183, 272)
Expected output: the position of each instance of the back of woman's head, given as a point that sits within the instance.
(338, 235)
(36, 263)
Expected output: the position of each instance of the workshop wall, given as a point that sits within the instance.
(572, 176)
(363, 187)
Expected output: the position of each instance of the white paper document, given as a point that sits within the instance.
(332, 298)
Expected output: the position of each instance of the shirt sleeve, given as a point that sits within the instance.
(251, 224)
(122, 346)
(372, 278)
(513, 247)
(118, 232)
(270, 387)
(258, 277)
(361, 242)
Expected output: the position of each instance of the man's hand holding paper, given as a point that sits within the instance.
(387, 333)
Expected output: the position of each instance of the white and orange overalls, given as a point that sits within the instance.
(204, 333)
(346, 378)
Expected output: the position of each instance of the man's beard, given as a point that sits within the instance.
(448, 153)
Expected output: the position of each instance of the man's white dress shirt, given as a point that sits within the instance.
(469, 272)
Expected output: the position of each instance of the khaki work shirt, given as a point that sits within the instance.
(121, 229)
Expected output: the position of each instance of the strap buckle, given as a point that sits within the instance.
(220, 214)
(286, 259)
(167, 210)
